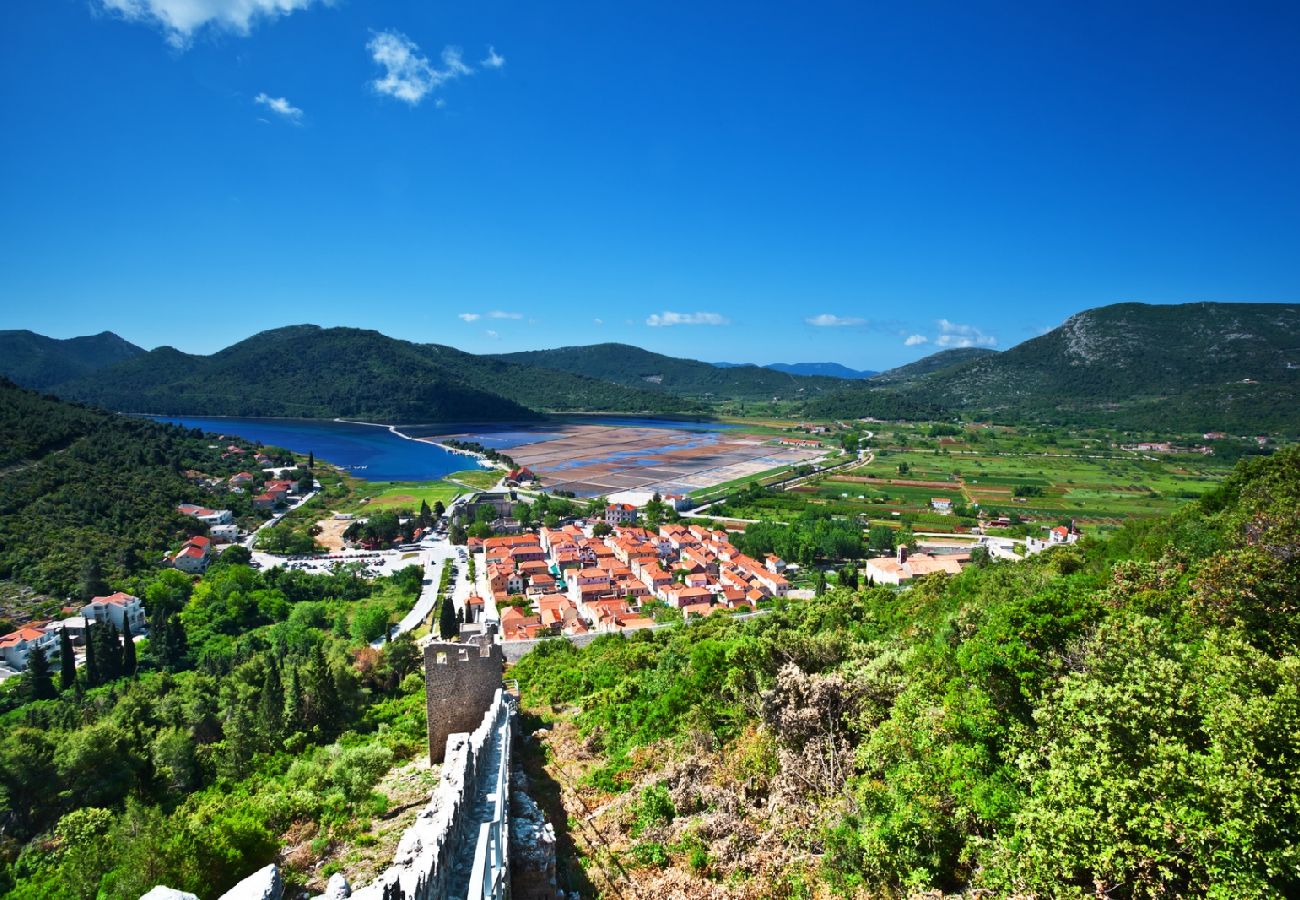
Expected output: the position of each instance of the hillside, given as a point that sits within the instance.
(932, 363)
(632, 366)
(80, 485)
(312, 372)
(1118, 719)
(35, 361)
(1191, 367)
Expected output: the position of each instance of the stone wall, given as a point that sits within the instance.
(425, 864)
(460, 682)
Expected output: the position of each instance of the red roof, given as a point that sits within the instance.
(119, 598)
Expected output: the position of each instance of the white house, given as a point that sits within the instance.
(17, 646)
(620, 514)
(227, 533)
(119, 608)
(205, 515)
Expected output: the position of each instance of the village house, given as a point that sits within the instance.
(17, 646)
(205, 515)
(620, 514)
(941, 504)
(193, 557)
(903, 567)
(120, 609)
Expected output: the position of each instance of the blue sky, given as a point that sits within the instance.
(860, 182)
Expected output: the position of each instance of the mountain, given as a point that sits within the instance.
(632, 366)
(824, 369)
(40, 362)
(932, 363)
(1187, 367)
(313, 372)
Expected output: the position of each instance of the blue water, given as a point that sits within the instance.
(370, 452)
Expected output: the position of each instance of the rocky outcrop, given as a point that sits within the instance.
(264, 884)
(166, 893)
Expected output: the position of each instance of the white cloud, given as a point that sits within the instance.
(493, 60)
(826, 320)
(468, 317)
(599, 321)
(408, 75)
(180, 20)
(914, 339)
(498, 314)
(492, 334)
(952, 334)
(657, 320)
(281, 107)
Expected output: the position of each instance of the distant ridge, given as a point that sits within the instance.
(40, 362)
(628, 365)
(313, 372)
(823, 369)
(1192, 366)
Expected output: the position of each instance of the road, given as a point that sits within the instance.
(863, 458)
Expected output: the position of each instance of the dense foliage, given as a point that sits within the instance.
(258, 710)
(1121, 719)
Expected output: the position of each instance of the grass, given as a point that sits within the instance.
(401, 494)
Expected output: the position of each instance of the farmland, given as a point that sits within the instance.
(1039, 475)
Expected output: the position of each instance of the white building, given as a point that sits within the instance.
(119, 608)
(17, 646)
(205, 515)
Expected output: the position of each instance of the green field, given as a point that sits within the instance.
(408, 494)
(1071, 474)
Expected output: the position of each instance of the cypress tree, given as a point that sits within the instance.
(311, 460)
(40, 684)
(447, 626)
(67, 661)
(92, 662)
(426, 515)
(292, 715)
(271, 706)
(108, 653)
(128, 650)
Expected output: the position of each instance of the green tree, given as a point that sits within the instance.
(447, 627)
(93, 676)
(67, 661)
(128, 650)
(92, 580)
(270, 706)
(39, 680)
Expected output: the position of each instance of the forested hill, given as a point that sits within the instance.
(632, 366)
(81, 486)
(314, 372)
(954, 356)
(1190, 367)
(1118, 719)
(40, 362)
